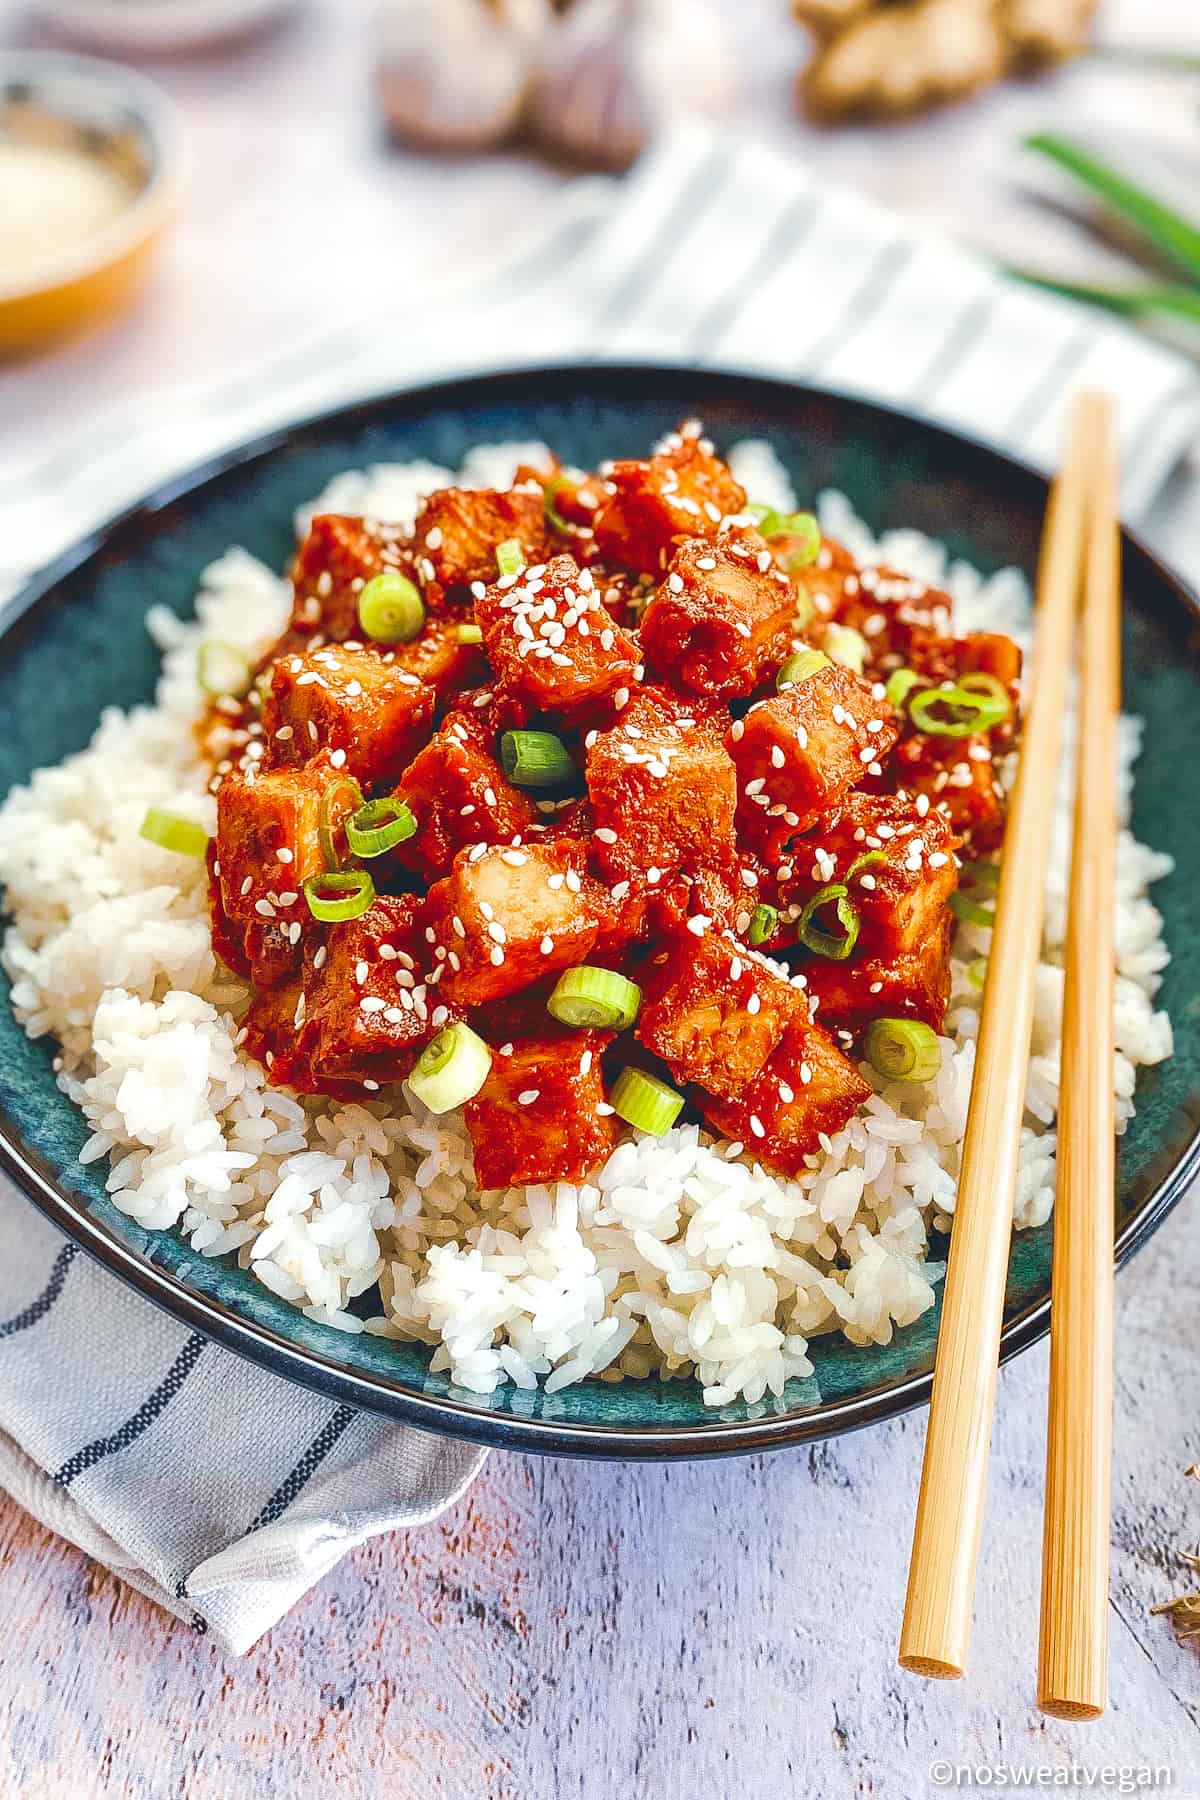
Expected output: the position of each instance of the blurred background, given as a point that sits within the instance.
(323, 161)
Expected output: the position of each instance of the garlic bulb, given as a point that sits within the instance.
(615, 71)
(455, 73)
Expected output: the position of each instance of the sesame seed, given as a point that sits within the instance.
(361, 971)
(246, 886)
(737, 731)
(264, 909)
(283, 855)
(753, 1004)
(371, 1004)
(756, 1126)
(605, 835)
(497, 956)
(527, 1096)
(805, 1073)
(698, 924)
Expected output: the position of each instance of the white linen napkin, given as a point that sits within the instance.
(115, 1423)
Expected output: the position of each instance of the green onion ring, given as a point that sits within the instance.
(390, 609)
(223, 669)
(341, 894)
(827, 943)
(510, 558)
(763, 925)
(342, 785)
(903, 1049)
(379, 825)
(846, 646)
(799, 667)
(451, 1069)
(899, 685)
(976, 712)
(535, 758)
(470, 634)
(645, 1102)
(596, 998)
(173, 831)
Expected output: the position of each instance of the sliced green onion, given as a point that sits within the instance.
(1169, 231)
(510, 558)
(470, 634)
(451, 1069)
(903, 1049)
(390, 609)
(551, 491)
(977, 971)
(597, 997)
(763, 925)
(645, 1102)
(970, 911)
(173, 831)
(901, 682)
(806, 612)
(835, 947)
(339, 894)
(846, 646)
(344, 788)
(378, 826)
(969, 713)
(222, 669)
(801, 525)
(535, 758)
(799, 667)
(865, 861)
(980, 681)
(984, 875)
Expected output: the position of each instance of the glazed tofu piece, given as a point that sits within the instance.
(351, 704)
(663, 792)
(715, 1011)
(457, 531)
(334, 563)
(956, 776)
(900, 893)
(505, 918)
(276, 1038)
(268, 843)
(799, 753)
(438, 660)
(830, 580)
(459, 795)
(898, 615)
(554, 644)
(541, 1115)
(682, 491)
(367, 1011)
(910, 984)
(724, 617)
(807, 1087)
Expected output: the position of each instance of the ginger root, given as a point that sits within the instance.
(886, 58)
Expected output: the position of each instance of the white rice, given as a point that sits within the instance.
(677, 1258)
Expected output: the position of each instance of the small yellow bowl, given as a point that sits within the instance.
(120, 131)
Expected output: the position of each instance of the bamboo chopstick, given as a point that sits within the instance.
(1073, 1652)
(941, 1580)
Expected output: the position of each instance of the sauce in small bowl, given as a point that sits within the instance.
(87, 173)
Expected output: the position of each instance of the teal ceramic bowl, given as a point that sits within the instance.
(75, 643)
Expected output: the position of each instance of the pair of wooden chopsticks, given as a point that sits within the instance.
(1078, 604)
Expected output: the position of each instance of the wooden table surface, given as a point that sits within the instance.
(570, 1629)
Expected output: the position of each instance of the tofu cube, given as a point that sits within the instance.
(714, 1011)
(806, 1087)
(901, 895)
(552, 641)
(684, 491)
(724, 616)
(334, 563)
(910, 984)
(439, 661)
(505, 918)
(457, 531)
(268, 843)
(799, 753)
(663, 792)
(899, 616)
(367, 1010)
(829, 581)
(274, 1038)
(957, 778)
(351, 704)
(459, 795)
(536, 1120)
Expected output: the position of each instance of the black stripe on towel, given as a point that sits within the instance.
(776, 248)
(688, 205)
(37, 1309)
(147, 1412)
(861, 304)
(1046, 390)
(961, 337)
(199, 1622)
(294, 1484)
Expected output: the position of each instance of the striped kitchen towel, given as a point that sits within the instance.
(224, 1492)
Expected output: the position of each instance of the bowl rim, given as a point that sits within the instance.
(149, 207)
(375, 1391)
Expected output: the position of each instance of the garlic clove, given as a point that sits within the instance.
(616, 71)
(455, 74)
